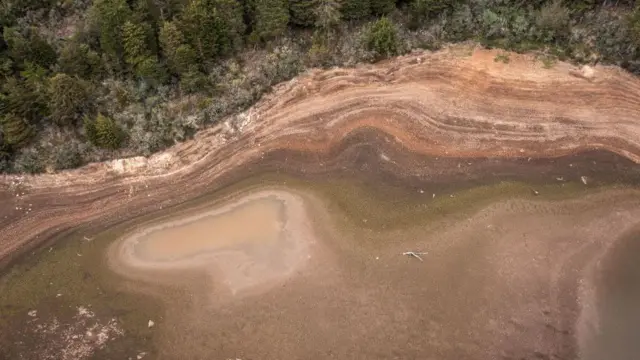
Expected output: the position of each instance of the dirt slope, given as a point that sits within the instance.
(458, 102)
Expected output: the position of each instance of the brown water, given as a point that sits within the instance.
(258, 238)
(259, 221)
(617, 333)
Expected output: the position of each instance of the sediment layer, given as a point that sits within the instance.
(454, 104)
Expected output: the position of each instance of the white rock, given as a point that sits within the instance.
(32, 313)
(151, 323)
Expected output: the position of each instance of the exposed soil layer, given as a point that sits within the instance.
(417, 139)
(453, 103)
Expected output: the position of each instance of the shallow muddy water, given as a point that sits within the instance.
(259, 221)
(278, 266)
(258, 238)
(618, 303)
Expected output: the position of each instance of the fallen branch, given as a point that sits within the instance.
(414, 254)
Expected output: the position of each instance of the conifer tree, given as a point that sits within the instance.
(134, 42)
(179, 54)
(272, 17)
(69, 95)
(103, 132)
(212, 27)
(27, 46)
(355, 9)
(382, 7)
(327, 14)
(109, 16)
(78, 59)
(302, 12)
(16, 131)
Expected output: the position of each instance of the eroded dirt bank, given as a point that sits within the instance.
(454, 103)
(513, 179)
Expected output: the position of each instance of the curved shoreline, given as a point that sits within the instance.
(437, 104)
(427, 124)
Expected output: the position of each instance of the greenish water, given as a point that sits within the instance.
(57, 280)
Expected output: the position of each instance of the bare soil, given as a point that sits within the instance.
(440, 104)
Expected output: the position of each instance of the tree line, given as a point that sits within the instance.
(54, 76)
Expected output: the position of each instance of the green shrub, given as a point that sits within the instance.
(552, 21)
(16, 131)
(29, 161)
(502, 57)
(634, 24)
(382, 7)
(355, 9)
(421, 11)
(69, 96)
(382, 38)
(103, 132)
(67, 156)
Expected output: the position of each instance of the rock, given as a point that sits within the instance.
(583, 179)
(141, 355)
(32, 313)
(587, 72)
(151, 323)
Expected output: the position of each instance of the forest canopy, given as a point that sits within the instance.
(90, 80)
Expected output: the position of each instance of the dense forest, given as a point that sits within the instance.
(84, 80)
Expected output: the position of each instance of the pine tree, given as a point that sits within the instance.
(382, 7)
(78, 59)
(151, 71)
(272, 17)
(355, 9)
(134, 43)
(179, 54)
(302, 12)
(327, 14)
(69, 96)
(170, 38)
(28, 97)
(109, 16)
(634, 24)
(185, 58)
(212, 27)
(16, 131)
(103, 132)
(27, 46)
